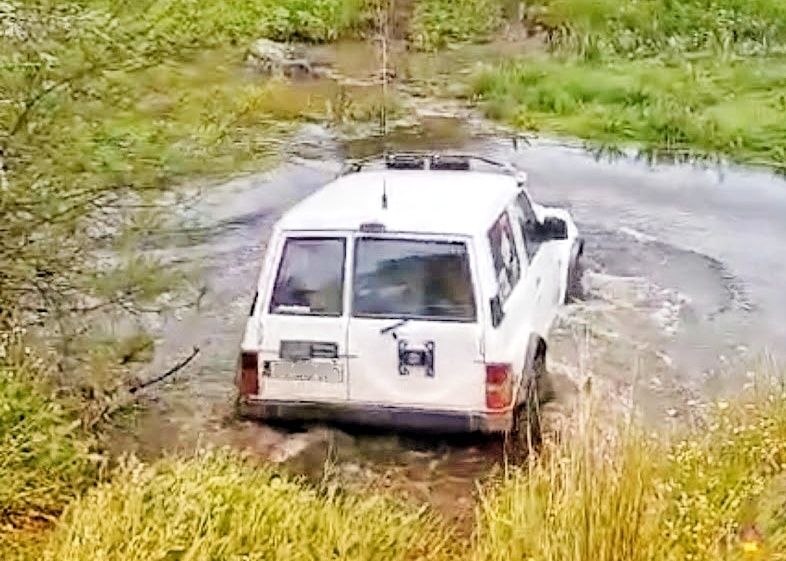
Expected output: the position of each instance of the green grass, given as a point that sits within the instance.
(686, 78)
(637, 28)
(605, 491)
(218, 506)
(45, 458)
(624, 495)
(213, 24)
(438, 23)
(733, 108)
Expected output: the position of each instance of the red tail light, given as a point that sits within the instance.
(248, 379)
(499, 386)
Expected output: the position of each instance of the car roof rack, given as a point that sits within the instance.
(435, 161)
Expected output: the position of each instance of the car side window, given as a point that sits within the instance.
(528, 222)
(507, 266)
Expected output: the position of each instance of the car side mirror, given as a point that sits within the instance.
(554, 229)
(497, 314)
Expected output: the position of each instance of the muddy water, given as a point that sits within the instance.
(684, 291)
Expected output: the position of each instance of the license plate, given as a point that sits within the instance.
(308, 371)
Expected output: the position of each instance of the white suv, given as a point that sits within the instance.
(419, 296)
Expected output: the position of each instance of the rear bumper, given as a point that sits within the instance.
(426, 420)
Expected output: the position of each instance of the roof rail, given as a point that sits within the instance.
(435, 161)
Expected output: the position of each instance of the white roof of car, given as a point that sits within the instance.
(418, 201)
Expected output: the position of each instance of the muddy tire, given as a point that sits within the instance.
(525, 436)
(575, 289)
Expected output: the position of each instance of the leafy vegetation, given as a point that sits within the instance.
(690, 77)
(611, 493)
(218, 506)
(628, 496)
(103, 100)
(45, 458)
(640, 28)
(732, 108)
(437, 23)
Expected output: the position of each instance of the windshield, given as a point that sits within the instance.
(413, 279)
(310, 278)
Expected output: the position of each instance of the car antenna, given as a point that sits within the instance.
(384, 195)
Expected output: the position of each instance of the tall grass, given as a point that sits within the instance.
(649, 27)
(585, 499)
(603, 492)
(733, 108)
(45, 458)
(218, 506)
(688, 77)
(626, 495)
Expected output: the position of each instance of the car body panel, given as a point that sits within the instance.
(389, 366)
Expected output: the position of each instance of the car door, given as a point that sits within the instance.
(304, 337)
(543, 264)
(414, 337)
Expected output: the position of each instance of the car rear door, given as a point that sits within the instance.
(304, 320)
(414, 337)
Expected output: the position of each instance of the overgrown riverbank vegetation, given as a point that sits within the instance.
(676, 78)
(103, 105)
(711, 491)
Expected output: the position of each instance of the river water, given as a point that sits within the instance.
(685, 294)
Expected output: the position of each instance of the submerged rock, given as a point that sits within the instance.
(278, 59)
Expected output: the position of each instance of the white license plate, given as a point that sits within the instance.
(308, 371)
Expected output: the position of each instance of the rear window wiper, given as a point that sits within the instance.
(394, 326)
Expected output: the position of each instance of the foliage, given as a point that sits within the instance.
(628, 496)
(104, 105)
(218, 506)
(95, 105)
(45, 458)
(638, 28)
(437, 23)
(734, 108)
(604, 492)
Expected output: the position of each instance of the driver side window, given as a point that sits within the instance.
(528, 222)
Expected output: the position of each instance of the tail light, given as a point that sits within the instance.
(499, 386)
(248, 377)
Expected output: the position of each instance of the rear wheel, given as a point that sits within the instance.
(525, 435)
(574, 290)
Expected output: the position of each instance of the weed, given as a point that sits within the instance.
(702, 106)
(45, 458)
(627, 495)
(437, 23)
(219, 506)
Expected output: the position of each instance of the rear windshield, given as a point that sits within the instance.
(310, 277)
(413, 279)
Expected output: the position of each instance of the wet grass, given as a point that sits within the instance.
(734, 108)
(680, 78)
